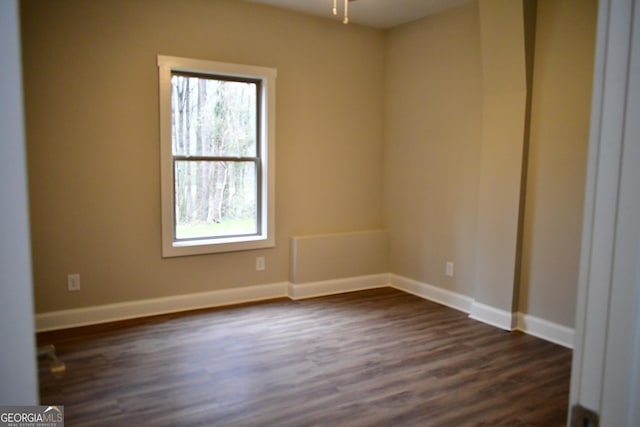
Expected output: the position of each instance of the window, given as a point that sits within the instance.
(217, 152)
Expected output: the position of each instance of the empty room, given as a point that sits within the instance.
(292, 213)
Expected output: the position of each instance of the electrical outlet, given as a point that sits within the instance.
(73, 282)
(260, 263)
(449, 269)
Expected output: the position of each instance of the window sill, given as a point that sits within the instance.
(213, 246)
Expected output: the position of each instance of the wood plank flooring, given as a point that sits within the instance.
(372, 358)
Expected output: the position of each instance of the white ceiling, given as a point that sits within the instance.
(372, 13)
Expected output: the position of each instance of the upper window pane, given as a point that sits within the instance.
(213, 116)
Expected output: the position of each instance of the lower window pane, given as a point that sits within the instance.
(215, 199)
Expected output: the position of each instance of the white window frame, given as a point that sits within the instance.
(266, 236)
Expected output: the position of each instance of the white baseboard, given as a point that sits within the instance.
(546, 330)
(432, 293)
(493, 316)
(337, 286)
(128, 310)
(529, 324)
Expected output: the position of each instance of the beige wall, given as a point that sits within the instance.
(92, 133)
(504, 92)
(321, 257)
(361, 113)
(438, 103)
(433, 118)
(563, 71)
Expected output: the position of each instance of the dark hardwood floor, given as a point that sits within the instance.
(373, 358)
